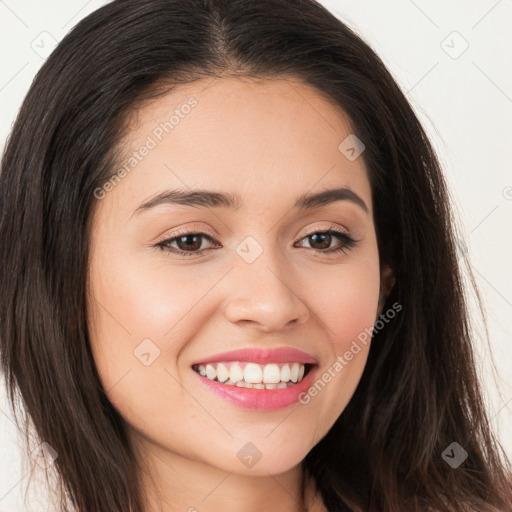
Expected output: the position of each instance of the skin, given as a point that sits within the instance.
(267, 141)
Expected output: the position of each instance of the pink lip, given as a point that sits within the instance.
(261, 399)
(262, 356)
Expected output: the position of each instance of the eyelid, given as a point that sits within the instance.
(319, 229)
(186, 231)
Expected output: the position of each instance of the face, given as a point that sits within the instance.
(289, 282)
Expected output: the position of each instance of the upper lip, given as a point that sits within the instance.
(261, 356)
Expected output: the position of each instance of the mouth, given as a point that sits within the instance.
(251, 375)
(258, 379)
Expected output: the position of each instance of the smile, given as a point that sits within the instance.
(258, 379)
(252, 375)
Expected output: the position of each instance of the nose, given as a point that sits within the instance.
(262, 294)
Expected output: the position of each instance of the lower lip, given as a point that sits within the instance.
(260, 399)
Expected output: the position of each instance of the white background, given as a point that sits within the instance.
(463, 98)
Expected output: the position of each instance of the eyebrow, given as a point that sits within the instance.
(211, 199)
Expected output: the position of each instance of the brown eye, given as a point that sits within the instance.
(188, 244)
(321, 241)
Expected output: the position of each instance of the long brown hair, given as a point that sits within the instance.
(419, 392)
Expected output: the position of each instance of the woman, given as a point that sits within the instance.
(229, 272)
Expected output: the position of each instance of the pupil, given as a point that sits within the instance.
(325, 236)
(193, 245)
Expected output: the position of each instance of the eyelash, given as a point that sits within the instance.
(347, 242)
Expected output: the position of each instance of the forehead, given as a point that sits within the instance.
(254, 138)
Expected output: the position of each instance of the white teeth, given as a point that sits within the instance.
(280, 385)
(285, 373)
(236, 373)
(222, 373)
(271, 374)
(294, 373)
(252, 375)
(211, 372)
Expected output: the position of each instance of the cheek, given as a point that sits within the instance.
(346, 305)
(136, 301)
(136, 309)
(136, 337)
(345, 300)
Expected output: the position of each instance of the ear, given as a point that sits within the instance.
(387, 281)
